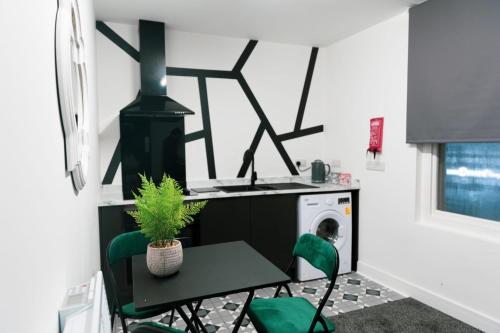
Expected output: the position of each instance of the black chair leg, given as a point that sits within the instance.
(113, 315)
(124, 324)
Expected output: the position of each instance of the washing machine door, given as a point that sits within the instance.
(330, 226)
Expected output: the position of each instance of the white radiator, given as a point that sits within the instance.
(85, 308)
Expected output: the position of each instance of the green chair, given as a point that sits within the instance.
(120, 248)
(296, 314)
(153, 327)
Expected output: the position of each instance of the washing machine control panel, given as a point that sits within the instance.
(343, 201)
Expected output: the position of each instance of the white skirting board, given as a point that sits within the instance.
(462, 312)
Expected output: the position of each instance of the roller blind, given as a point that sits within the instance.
(454, 72)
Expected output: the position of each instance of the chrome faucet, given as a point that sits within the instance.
(248, 157)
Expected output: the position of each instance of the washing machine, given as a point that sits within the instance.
(328, 216)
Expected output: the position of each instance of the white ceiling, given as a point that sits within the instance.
(308, 22)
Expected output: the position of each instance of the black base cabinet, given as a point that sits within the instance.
(224, 220)
(267, 223)
(274, 227)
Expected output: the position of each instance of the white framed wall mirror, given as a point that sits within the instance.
(72, 89)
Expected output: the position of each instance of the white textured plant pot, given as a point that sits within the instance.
(164, 261)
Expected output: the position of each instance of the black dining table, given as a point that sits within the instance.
(207, 271)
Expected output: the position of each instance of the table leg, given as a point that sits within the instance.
(195, 318)
(277, 293)
(198, 305)
(186, 320)
(243, 312)
(172, 313)
(288, 290)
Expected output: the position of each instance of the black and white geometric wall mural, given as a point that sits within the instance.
(206, 132)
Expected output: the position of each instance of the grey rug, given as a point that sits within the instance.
(403, 316)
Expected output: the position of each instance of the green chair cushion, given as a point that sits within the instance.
(285, 314)
(127, 245)
(154, 327)
(318, 252)
(130, 312)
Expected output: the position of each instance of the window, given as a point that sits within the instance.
(469, 179)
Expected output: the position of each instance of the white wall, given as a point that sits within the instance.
(456, 272)
(275, 73)
(49, 236)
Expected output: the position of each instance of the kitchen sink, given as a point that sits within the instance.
(264, 187)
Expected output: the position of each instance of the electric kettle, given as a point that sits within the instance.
(318, 172)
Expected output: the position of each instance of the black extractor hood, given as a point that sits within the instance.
(152, 99)
(152, 133)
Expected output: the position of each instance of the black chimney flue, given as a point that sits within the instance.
(153, 66)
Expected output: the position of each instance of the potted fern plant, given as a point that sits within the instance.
(161, 214)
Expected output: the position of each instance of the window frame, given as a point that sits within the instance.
(427, 212)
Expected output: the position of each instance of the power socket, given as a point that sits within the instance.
(301, 163)
(375, 165)
(336, 165)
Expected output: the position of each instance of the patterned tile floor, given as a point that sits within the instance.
(351, 292)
